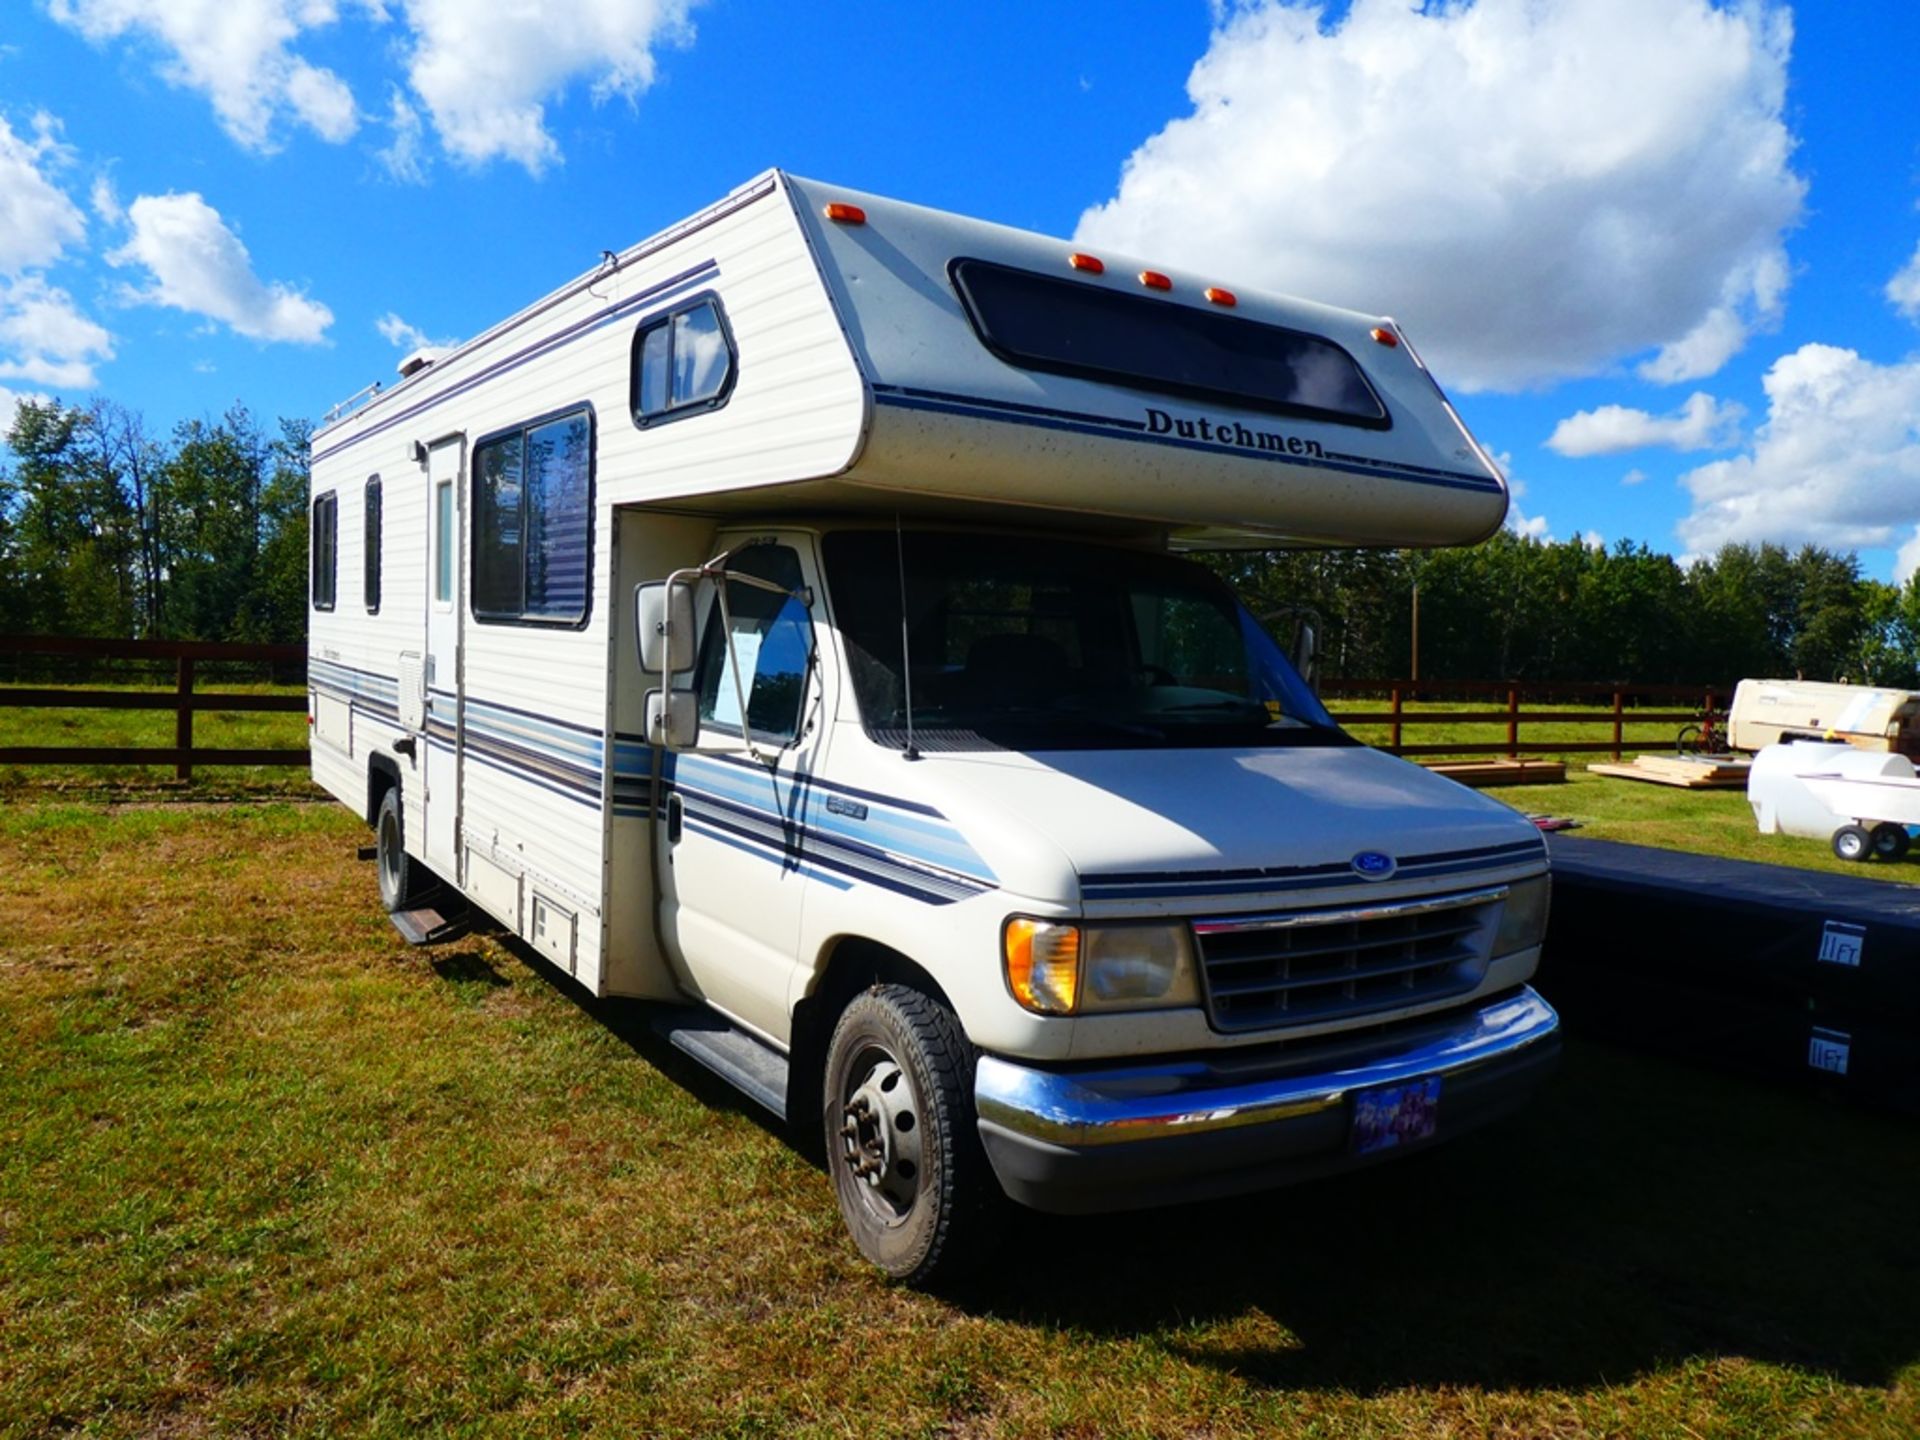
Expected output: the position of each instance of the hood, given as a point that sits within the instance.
(1161, 829)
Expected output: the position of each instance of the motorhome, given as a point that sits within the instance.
(790, 624)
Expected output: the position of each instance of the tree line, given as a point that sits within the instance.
(107, 529)
(1517, 608)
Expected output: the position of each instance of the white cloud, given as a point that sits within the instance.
(485, 72)
(1907, 559)
(1703, 423)
(235, 52)
(198, 264)
(402, 336)
(44, 339)
(404, 158)
(1538, 188)
(1836, 463)
(37, 219)
(1904, 288)
(1634, 477)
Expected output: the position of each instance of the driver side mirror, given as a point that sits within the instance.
(1306, 654)
(663, 627)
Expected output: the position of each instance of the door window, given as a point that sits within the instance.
(772, 643)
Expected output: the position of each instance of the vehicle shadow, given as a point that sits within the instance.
(1637, 1215)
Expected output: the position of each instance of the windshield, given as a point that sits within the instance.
(1035, 644)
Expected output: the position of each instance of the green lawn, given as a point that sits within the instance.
(263, 1169)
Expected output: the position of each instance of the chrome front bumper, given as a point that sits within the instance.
(1114, 1138)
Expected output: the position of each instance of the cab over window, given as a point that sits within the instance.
(683, 363)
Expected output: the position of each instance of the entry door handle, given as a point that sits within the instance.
(676, 819)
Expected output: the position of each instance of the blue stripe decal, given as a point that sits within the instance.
(600, 318)
(1114, 428)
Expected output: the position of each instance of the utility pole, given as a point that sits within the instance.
(1416, 632)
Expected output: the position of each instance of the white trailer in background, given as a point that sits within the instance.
(781, 623)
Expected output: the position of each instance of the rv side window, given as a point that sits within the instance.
(772, 644)
(1074, 327)
(371, 575)
(683, 363)
(533, 522)
(326, 549)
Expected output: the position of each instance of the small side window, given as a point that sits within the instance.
(325, 536)
(683, 363)
(772, 637)
(371, 576)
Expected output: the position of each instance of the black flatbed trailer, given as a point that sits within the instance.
(1770, 969)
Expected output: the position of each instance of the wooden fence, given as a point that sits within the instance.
(183, 699)
(1704, 706)
(1706, 713)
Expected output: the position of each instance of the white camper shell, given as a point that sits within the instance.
(952, 813)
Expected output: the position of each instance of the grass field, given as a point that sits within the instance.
(263, 1169)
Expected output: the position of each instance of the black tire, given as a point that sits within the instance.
(1889, 841)
(914, 1186)
(1851, 842)
(404, 881)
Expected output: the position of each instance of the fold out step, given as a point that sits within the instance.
(757, 1070)
(424, 925)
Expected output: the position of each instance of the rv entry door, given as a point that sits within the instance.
(443, 741)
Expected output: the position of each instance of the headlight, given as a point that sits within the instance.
(1523, 918)
(1063, 969)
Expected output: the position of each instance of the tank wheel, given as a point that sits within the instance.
(913, 1184)
(404, 881)
(1890, 841)
(1851, 842)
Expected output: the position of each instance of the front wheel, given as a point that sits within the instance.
(913, 1183)
(1851, 842)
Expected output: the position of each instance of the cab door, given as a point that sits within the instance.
(734, 859)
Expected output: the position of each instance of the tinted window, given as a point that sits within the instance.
(1074, 327)
(772, 637)
(533, 522)
(326, 549)
(683, 363)
(370, 576)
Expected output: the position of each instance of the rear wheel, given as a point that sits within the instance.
(1851, 842)
(404, 881)
(1890, 841)
(913, 1184)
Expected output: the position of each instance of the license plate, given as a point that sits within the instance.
(1391, 1115)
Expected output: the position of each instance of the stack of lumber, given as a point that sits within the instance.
(1500, 771)
(1688, 772)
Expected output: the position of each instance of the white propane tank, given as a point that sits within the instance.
(1782, 805)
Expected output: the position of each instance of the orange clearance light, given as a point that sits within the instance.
(1092, 264)
(1154, 280)
(1385, 336)
(846, 214)
(1221, 297)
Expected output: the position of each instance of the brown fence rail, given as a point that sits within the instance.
(183, 699)
(1707, 715)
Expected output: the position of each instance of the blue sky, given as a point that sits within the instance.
(1664, 253)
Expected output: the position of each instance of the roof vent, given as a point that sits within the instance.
(420, 359)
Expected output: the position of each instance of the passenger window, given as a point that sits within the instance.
(772, 636)
(533, 523)
(683, 363)
(325, 535)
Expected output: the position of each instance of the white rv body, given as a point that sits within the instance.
(860, 396)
